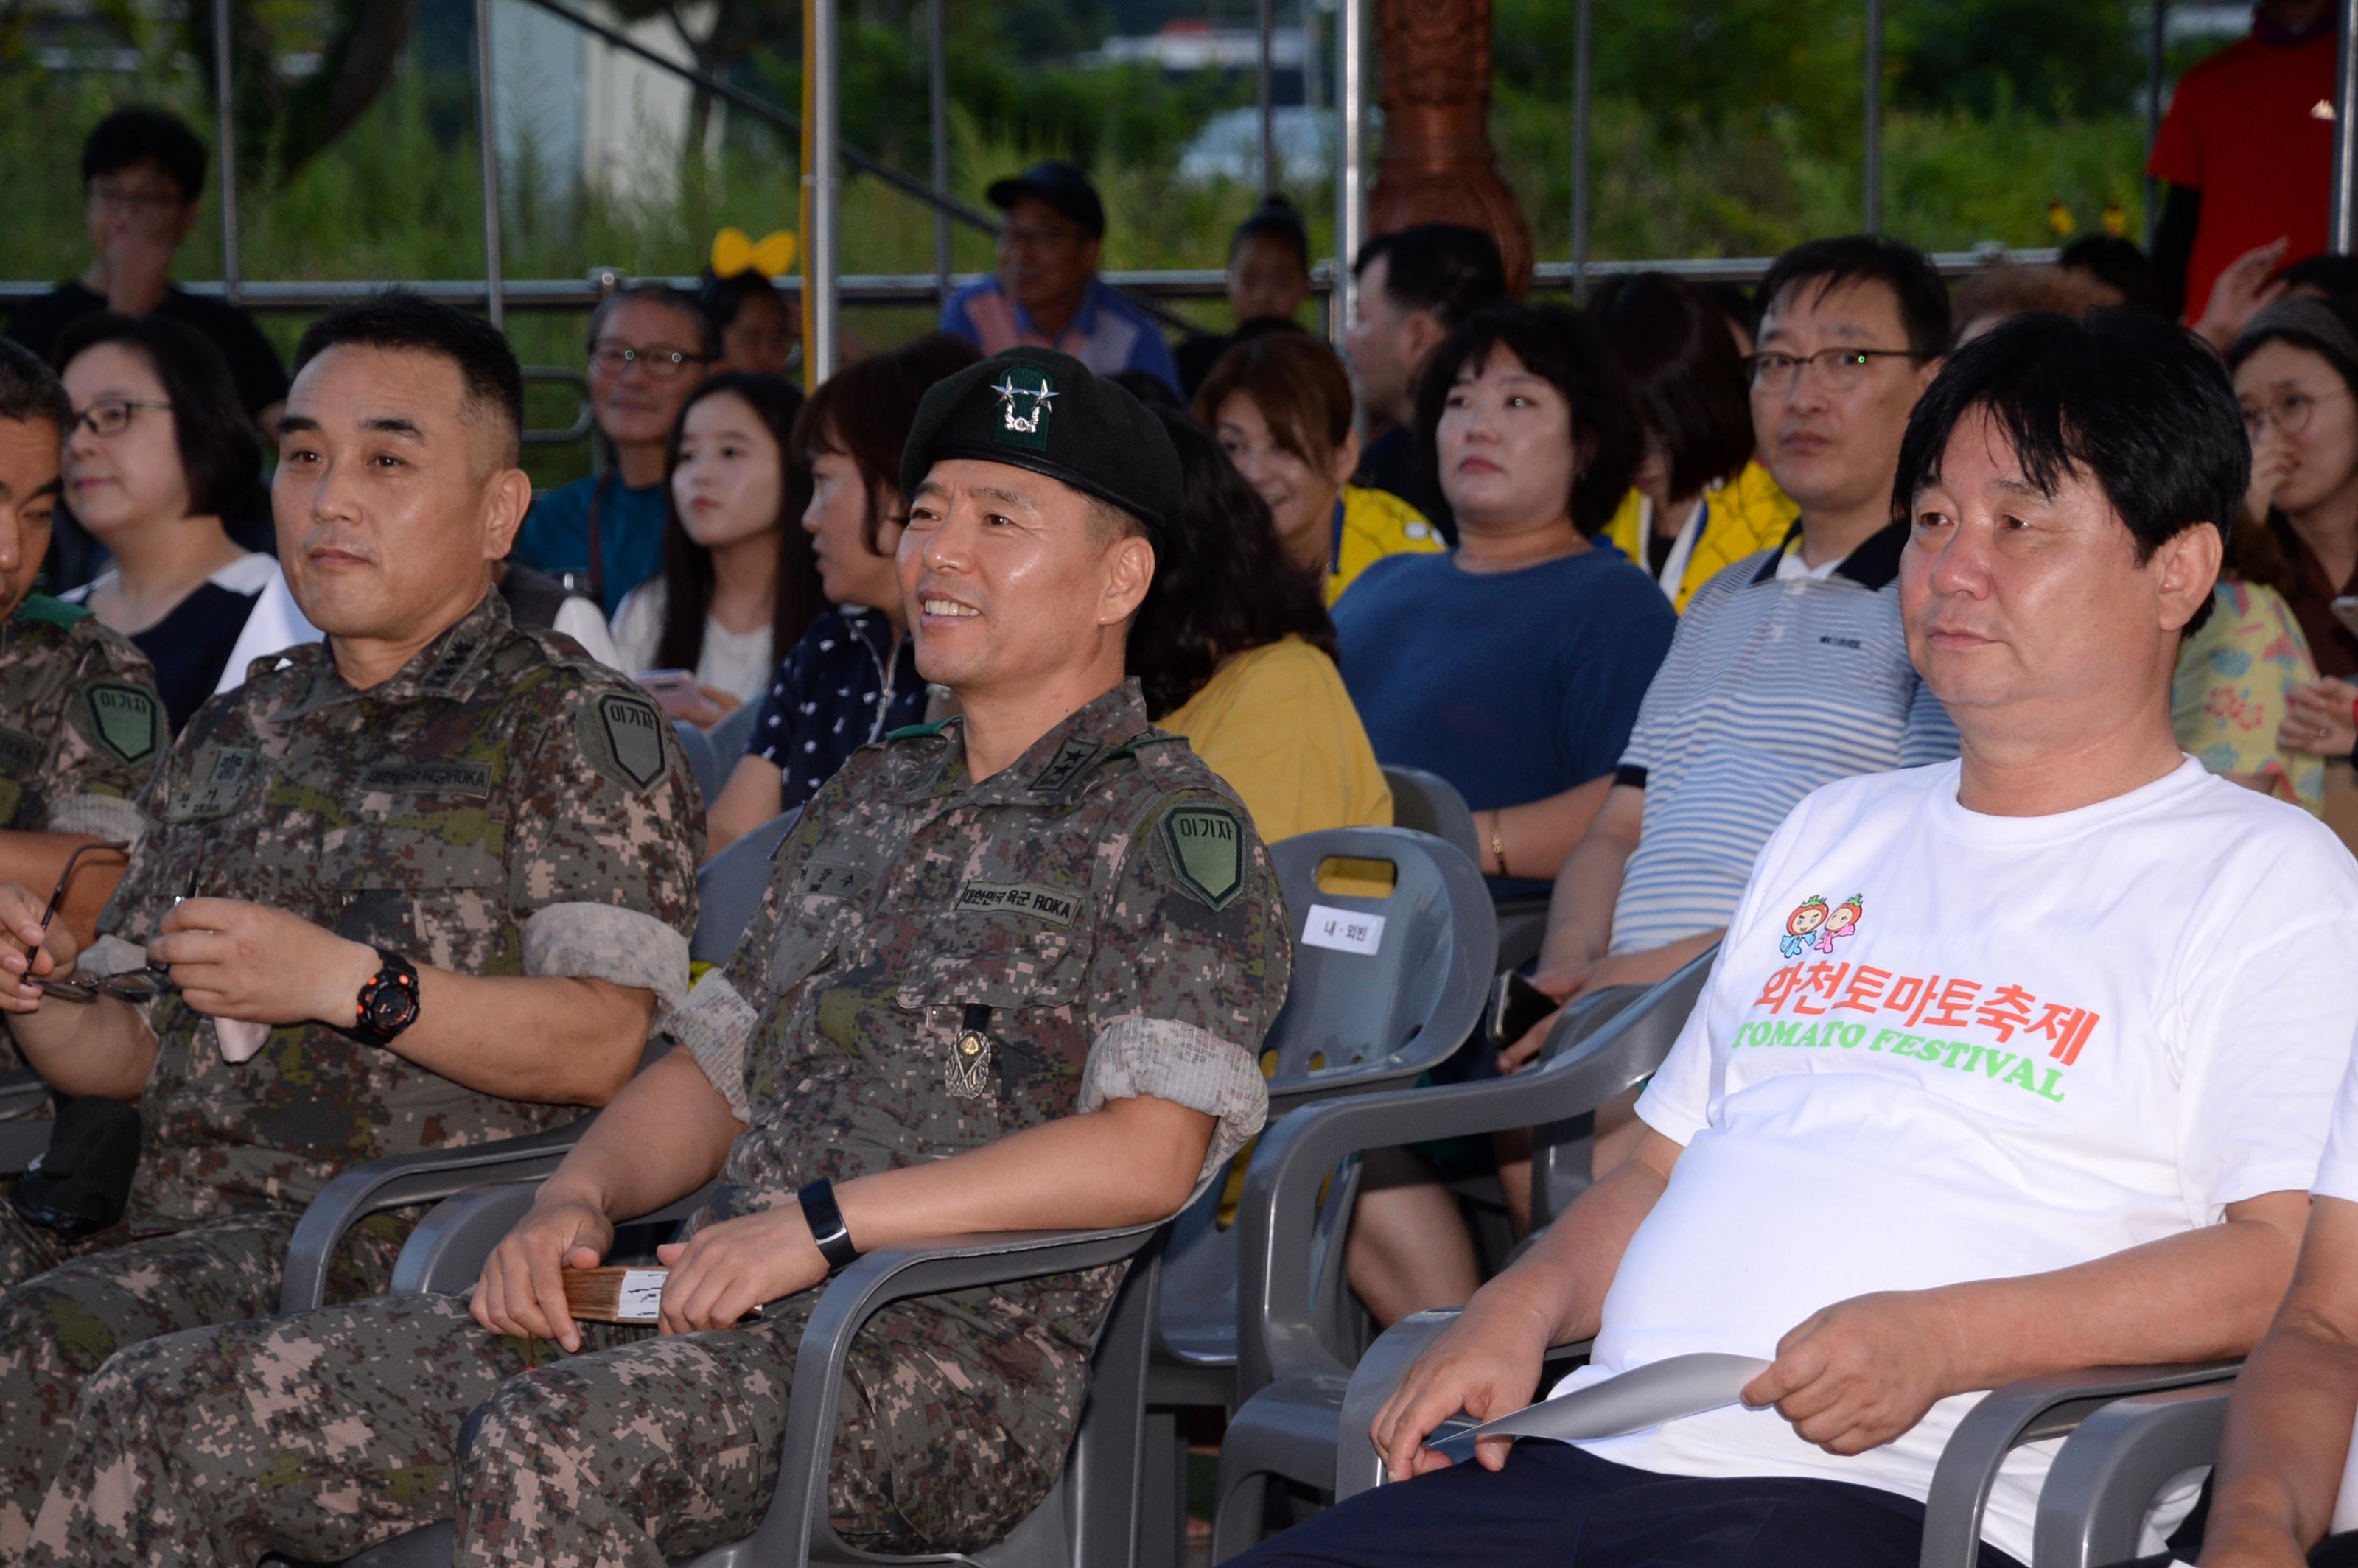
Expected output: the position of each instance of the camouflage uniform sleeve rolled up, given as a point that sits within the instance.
(1190, 970)
(603, 869)
(144, 896)
(113, 733)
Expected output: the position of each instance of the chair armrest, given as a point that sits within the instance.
(22, 1094)
(446, 1252)
(24, 1131)
(1357, 1466)
(2022, 1413)
(1522, 932)
(402, 1182)
(875, 1281)
(1274, 1220)
(2092, 1507)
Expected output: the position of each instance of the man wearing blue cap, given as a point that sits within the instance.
(1047, 293)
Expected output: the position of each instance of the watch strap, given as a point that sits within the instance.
(393, 973)
(826, 1227)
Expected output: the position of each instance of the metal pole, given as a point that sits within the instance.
(225, 139)
(1873, 149)
(824, 185)
(2155, 56)
(1265, 97)
(1582, 58)
(937, 37)
(2345, 129)
(494, 284)
(1351, 198)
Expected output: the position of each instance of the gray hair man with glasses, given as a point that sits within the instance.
(603, 535)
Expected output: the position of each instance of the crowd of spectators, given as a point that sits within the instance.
(1857, 603)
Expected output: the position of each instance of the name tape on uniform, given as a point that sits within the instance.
(1343, 930)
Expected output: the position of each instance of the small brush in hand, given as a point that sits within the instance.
(618, 1294)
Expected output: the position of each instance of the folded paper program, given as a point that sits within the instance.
(1642, 1397)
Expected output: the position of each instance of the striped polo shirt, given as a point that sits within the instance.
(1780, 679)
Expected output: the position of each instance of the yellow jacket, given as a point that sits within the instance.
(1374, 524)
(1746, 515)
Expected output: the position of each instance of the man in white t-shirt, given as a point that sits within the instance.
(2009, 1066)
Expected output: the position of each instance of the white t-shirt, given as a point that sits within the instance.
(1942, 1046)
(739, 663)
(2337, 1177)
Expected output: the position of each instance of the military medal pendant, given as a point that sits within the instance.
(967, 1075)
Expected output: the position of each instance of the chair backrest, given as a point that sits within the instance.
(702, 761)
(729, 738)
(1431, 804)
(729, 888)
(1385, 985)
(1359, 1017)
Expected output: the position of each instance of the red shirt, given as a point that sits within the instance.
(2252, 128)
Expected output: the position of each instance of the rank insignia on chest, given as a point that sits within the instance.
(966, 1073)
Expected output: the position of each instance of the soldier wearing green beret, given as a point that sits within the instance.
(422, 884)
(1012, 973)
(80, 724)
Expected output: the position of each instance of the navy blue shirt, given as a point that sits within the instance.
(833, 695)
(554, 537)
(1512, 686)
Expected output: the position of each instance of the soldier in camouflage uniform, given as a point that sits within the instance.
(1013, 972)
(421, 884)
(80, 725)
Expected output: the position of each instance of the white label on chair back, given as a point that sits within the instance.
(641, 1298)
(1345, 930)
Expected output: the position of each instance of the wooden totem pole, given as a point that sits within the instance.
(1437, 165)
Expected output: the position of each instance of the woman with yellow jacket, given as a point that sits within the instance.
(1699, 502)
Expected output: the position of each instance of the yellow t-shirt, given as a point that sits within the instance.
(1374, 523)
(2228, 696)
(1275, 722)
(1745, 514)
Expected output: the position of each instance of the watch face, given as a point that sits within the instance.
(390, 1007)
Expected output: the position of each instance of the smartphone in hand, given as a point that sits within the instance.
(676, 693)
(1516, 1006)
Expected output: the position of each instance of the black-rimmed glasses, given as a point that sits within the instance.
(1777, 373)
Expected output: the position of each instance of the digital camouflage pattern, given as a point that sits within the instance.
(1050, 894)
(501, 805)
(80, 729)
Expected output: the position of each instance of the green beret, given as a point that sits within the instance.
(1037, 410)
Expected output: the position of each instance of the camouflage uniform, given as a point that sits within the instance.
(80, 728)
(501, 805)
(1103, 897)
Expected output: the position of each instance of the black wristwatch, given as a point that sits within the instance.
(826, 1227)
(387, 1004)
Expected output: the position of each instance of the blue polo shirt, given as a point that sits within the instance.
(1512, 686)
(556, 535)
(1108, 333)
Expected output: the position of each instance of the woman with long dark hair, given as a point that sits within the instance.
(737, 583)
(1235, 652)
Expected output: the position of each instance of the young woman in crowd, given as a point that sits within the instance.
(852, 678)
(1698, 501)
(161, 448)
(2296, 370)
(1235, 652)
(737, 583)
(1281, 406)
(1513, 666)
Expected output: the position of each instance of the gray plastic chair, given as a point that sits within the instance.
(729, 736)
(1352, 1023)
(1089, 1519)
(1296, 1385)
(2132, 1431)
(728, 888)
(703, 762)
(1431, 804)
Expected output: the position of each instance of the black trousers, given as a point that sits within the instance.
(1564, 1508)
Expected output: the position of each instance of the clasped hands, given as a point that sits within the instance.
(230, 960)
(719, 1274)
(1848, 1379)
